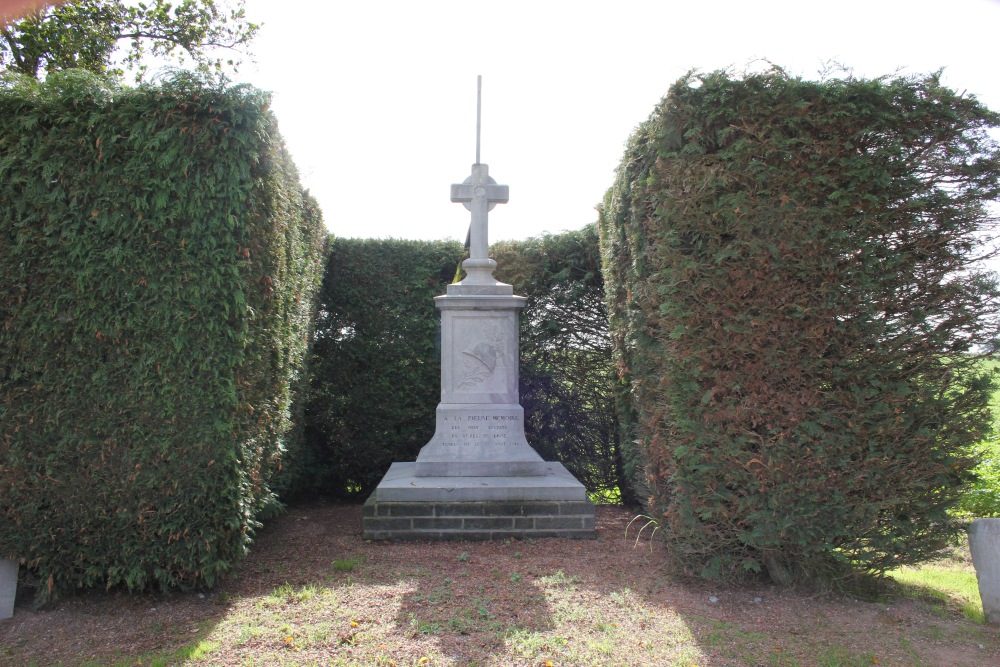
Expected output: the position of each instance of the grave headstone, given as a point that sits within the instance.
(478, 478)
(8, 587)
(984, 543)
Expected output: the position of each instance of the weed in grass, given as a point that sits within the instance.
(602, 646)
(625, 599)
(283, 592)
(525, 643)
(460, 625)
(439, 594)
(688, 657)
(731, 633)
(463, 557)
(422, 627)
(837, 656)
(516, 578)
(559, 578)
(248, 631)
(647, 522)
(347, 564)
(202, 650)
(934, 633)
(197, 651)
(781, 659)
(518, 555)
(305, 594)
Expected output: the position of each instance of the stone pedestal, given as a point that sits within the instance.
(8, 587)
(478, 478)
(984, 543)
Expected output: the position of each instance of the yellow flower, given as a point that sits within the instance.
(354, 624)
(423, 661)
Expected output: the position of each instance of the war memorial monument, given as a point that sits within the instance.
(478, 478)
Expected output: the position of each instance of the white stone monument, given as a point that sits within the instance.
(478, 478)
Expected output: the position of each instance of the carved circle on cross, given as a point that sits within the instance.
(479, 191)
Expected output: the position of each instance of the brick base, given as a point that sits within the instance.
(477, 520)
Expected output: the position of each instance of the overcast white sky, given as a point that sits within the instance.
(377, 100)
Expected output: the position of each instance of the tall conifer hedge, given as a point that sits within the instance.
(796, 307)
(376, 364)
(159, 263)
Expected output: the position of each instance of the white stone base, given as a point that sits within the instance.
(401, 484)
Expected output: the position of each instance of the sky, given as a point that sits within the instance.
(376, 100)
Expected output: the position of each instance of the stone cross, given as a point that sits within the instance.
(479, 193)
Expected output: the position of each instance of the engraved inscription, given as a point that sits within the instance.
(492, 430)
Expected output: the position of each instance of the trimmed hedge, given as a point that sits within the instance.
(376, 364)
(795, 305)
(159, 264)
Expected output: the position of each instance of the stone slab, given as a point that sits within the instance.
(984, 543)
(401, 484)
(8, 587)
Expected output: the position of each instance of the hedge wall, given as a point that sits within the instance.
(159, 264)
(376, 364)
(796, 306)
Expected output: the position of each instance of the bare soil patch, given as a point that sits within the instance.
(314, 593)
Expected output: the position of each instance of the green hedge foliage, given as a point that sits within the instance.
(159, 263)
(795, 307)
(376, 364)
(567, 372)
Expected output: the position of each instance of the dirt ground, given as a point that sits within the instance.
(314, 593)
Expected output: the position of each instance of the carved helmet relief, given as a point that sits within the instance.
(484, 356)
(485, 353)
